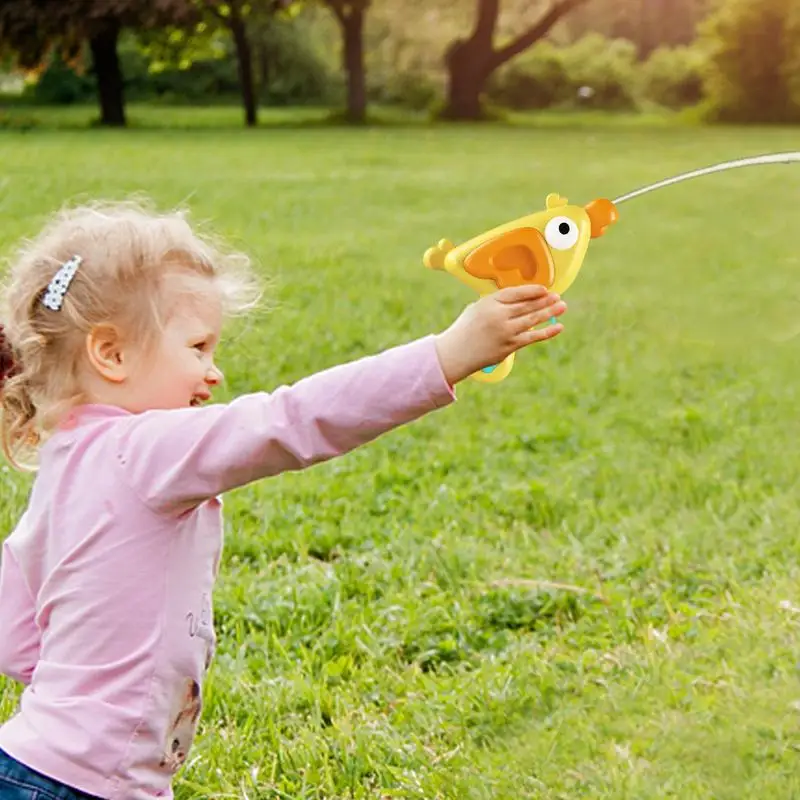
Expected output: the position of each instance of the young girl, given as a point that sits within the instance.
(112, 318)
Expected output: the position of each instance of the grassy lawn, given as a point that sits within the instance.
(386, 626)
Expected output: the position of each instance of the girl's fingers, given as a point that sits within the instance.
(529, 306)
(539, 334)
(520, 294)
(534, 318)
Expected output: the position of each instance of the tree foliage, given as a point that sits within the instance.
(34, 29)
(31, 29)
(649, 24)
(753, 58)
(239, 17)
(519, 53)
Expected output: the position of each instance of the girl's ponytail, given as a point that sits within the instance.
(7, 361)
(17, 410)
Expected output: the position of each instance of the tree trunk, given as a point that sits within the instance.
(470, 63)
(105, 62)
(352, 21)
(244, 61)
(467, 66)
(263, 71)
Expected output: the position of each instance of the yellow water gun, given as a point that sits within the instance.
(547, 247)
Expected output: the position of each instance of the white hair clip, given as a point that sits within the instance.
(57, 288)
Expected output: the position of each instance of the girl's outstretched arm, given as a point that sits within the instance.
(177, 459)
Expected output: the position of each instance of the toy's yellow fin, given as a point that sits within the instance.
(434, 256)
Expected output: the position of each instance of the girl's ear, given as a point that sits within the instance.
(104, 347)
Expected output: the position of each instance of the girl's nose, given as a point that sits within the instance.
(214, 375)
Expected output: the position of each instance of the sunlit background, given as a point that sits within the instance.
(581, 582)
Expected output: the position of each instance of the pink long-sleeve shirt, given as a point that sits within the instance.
(106, 583)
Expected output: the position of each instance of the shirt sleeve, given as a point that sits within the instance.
(177, 459)
(20, 640)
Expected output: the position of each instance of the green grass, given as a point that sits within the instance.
(22, 114)
(382, 630)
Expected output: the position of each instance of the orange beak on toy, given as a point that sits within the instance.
(602, 213)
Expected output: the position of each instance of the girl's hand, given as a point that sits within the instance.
(496, 326)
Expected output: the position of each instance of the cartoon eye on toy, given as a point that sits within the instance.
(561, 233)
(548, 247)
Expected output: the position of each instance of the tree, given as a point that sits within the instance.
(351, 15)
(32, 29)
(753, 54)
(235, 15)
(792, 64)
(470, 62)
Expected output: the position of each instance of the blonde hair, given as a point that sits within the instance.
(126, 252)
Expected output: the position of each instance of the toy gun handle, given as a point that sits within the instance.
(496, 373)
(434, 259)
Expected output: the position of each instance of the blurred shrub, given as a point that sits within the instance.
(601, 73)
(673, 77)
(59, 84)
(195, 81)
(594, 72)
(289, 69)
(538, 79)
(414, 90)
(754, 60)
(607, 66)
(792, 64)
